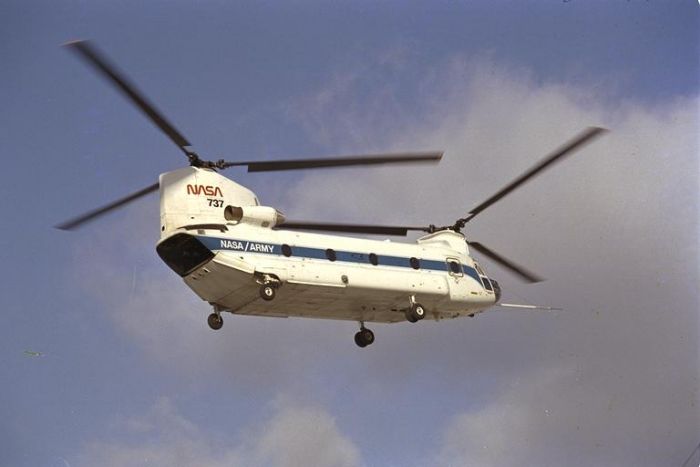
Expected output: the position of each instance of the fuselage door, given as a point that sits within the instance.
(458, 286)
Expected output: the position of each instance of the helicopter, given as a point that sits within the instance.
(245, 258)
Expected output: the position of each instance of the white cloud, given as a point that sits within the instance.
(613, 379)
(294, 436)
(555, 416)
(162, 437)
(614, 227)
(302, 436)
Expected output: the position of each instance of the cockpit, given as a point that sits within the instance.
(490, 285)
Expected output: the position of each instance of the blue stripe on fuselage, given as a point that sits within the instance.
(246, 246)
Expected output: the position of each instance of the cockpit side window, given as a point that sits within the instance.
(484, 280)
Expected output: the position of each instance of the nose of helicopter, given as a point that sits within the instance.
(183, 253)
(496, 289)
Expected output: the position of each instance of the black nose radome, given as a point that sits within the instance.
(183, 253)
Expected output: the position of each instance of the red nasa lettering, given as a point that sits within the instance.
(207, 190)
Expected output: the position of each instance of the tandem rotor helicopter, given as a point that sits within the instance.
(247, 259)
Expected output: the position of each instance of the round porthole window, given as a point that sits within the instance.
(374, 259)
(286, 250)
(415, 263)
(330, 254)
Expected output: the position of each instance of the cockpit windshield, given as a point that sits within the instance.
(484, 280)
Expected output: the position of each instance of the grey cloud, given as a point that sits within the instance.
(294, 436)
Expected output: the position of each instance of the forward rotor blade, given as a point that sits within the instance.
(90, 54)
(89, 216)
(517, 269)
(580, 140)
(351, 228)
(346, 161)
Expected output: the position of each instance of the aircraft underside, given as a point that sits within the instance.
(237, 290)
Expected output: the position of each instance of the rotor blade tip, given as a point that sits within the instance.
(594, 131)
(73, 42)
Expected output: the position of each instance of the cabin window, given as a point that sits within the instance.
(330, 254)
(374, 259)
(415, 263)
(286, 250)
(454, 267)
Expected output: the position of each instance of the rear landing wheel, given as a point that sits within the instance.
(267, 292)
(215, 321)
(364, 337)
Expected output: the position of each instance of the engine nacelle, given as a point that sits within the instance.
(264, 216)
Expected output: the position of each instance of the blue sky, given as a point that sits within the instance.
(130, 372)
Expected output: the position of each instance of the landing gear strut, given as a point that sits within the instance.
(364, 336)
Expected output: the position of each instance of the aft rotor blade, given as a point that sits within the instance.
(345, 161)
(91, 55)
(508, 264)
(580, 140)
(92, 215)
(351, 228)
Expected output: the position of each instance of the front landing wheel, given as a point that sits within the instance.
(215, 321)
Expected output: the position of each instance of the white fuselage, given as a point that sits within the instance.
(224, 258)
